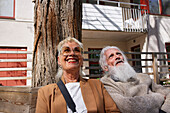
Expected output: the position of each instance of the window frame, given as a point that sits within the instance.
(94, 62)
(136, 63)
(160, 9)
(13, 73)
(10, 17)
(167, 44)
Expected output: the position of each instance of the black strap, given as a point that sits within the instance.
(66, 95)
(161, 111)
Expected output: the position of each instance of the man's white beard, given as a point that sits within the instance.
(122, 72)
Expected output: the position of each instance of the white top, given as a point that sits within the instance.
(75, 92)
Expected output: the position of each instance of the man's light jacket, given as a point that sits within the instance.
(138, 95)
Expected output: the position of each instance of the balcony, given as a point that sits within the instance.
(155, 64)
(22, 99)
(115, 16)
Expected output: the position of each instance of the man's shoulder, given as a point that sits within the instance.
(106, 79)
(109, 82)
(142, 74)
(144, 78)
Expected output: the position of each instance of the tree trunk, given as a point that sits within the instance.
(54, 20)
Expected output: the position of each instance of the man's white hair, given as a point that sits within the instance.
(119, 73)
(102, 60)
(59, 48)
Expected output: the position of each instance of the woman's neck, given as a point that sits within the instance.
(71, 77)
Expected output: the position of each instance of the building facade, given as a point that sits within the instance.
(132, 25)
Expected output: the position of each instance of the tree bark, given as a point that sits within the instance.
(54, 20)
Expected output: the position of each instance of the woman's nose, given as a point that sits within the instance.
(72, 52)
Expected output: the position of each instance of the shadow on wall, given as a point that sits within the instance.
(154, 40)
(98, 17)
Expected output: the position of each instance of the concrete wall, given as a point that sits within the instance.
(100, 43)
(19, 32)
(154, 41)
(16, 34)
(24, 10)
(158, 33)
(99, 17)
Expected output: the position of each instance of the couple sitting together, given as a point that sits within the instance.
(121, 89)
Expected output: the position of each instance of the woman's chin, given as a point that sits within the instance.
(72, 67)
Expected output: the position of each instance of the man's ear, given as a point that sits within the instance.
(106, 68)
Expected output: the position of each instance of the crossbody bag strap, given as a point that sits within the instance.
(66, 95)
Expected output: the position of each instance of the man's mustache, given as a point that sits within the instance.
(118, 61)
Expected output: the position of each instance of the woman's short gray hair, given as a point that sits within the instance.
(59, 48)
(102, 60)
(69, 39)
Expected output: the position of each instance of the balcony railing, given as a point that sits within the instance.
(14, 68)
(155, 64)
(151, 63)
(132, 19)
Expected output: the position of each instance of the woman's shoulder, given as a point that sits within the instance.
(95, 81)
(48, 88)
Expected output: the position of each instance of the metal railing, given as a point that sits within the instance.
(151, 63)
(134, 19)
(15, 68)
(117, 3)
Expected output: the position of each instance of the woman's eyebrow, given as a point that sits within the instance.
(66, 46)
(77, 47)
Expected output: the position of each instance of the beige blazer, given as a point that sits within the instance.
(95, 96)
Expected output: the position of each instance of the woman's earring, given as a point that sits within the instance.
(60, 67)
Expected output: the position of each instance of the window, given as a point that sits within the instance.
(94, 65)
(154, 6)
(9, 65)
(7, 9)
(159, 7)
(165, 7)
(136, 64)
(168, 50)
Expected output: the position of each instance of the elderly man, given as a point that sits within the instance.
(133, 92)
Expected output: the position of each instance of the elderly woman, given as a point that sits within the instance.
(88, 95)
